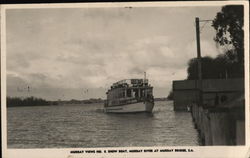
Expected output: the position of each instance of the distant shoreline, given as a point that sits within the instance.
(33, 101)
(69, 103)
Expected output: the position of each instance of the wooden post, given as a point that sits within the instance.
(198, 48)
(197, 22)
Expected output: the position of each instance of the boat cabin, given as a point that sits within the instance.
(129, 91)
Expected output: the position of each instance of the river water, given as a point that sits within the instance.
(71, 126)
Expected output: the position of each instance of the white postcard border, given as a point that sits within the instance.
(207, 151)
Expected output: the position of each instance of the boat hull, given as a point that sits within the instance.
(131, 108)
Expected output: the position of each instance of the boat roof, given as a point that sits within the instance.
(130, 82)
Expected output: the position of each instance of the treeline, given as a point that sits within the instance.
(33, 101)
(220, 67)
(87, 101)
(30, 101)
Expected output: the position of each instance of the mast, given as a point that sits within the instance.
(144, 84)
(144, 80)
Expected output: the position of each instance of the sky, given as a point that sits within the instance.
(59, 53)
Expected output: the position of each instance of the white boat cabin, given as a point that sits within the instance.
(129, 91)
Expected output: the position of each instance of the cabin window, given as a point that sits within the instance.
(120, 93)
(142, 93)
(133, 93)
(129, 93)
(148, 92)
(136, 93)
(124, 93)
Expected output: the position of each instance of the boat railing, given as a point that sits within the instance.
(130, 83)
(129, 100)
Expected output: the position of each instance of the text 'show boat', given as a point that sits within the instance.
(130, 95)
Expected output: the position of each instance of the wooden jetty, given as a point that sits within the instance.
(220, 119)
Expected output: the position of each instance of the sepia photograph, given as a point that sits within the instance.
(125, 75)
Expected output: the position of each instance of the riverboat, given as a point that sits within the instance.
(130, 96)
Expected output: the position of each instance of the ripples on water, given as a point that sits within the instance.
(87, 126)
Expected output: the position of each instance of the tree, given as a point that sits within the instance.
(228, 24)
(170, 95)
(30, 101)
(207, 65)
(213, 68)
